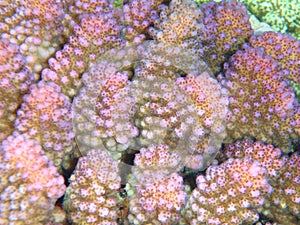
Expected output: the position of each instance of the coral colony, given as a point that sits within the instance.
(149, 112)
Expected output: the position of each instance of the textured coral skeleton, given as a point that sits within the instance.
(148, 112)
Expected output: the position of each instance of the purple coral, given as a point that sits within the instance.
(138, 16)
(159, 195)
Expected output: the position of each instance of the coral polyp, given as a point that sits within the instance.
(144, 112)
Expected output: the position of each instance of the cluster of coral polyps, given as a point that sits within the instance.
(30, 183)
(152, 113)
(91, 197)
(158, 193)
(229, 193)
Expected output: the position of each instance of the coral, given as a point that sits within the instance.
(268, 156)
(284, 203)
(155, 162)
(29, 183)
(158, 195)
(258, 26)
(91, 197)
(79, 7)
(127, 107)
(15, 80)
(283, 48)
(229, 193)
(182, 114)
(262, 103)
(296, 87)
(159, 202)
(45, 116)
(180, 24)
(93, 35)
(138, 16)
(227, 27)
(282, 15)
(36, 27)
(167, 60)
(103, 110)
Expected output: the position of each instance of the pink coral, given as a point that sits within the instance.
(159, 202)
(229, 193)
(91, 197)
(283, 48)
(30, 184)
(283, 205)
(286, 195)
(138, 16)
(155, 162)
(159, 195)
(181, 113)
(45, 116)
(93, 35)
(79, 7)
(36, 27)
(262, 103)
(15, 80)
(227, 27)
(180, 24)
(267, 155)
(103, 110)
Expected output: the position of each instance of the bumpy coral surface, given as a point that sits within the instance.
(138, 16)
(79, 7)
(286, 195)
(45, 116)
(263, 104)
(229, 193)
(180, 24)
(29, 183)
(15, 80)
(267, 155)
(136, 81)
(93, 35)
(91, 197)
(283, 48)
(282, 15)
(227, 27)
(182, 114)
(159, 202)
(155, 162)
(283, 205)
(36, 26)
(158, 194)
(103, 109)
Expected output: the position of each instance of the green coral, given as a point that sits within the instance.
(118, 4)
(282, 15)
(296, 87)
(199, 2)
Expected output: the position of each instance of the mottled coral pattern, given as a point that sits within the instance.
(30, 183)
(144, 112)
